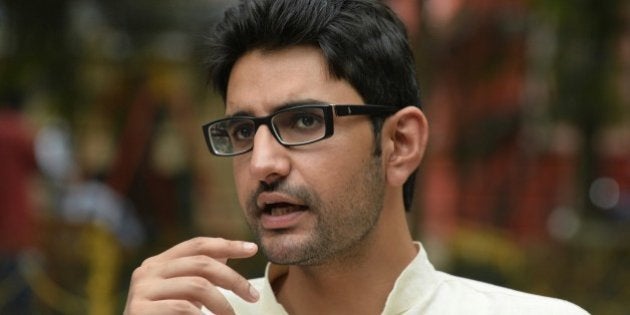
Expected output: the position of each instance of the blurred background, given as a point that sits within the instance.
(102, 161)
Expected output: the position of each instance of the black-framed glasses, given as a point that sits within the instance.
(291, 126)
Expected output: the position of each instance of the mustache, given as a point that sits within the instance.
(298, 192)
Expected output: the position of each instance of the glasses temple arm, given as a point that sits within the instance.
(348, 110)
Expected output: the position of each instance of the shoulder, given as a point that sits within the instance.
(484, 298)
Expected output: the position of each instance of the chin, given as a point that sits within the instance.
(286, 249)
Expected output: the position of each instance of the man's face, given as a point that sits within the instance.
(312, 203)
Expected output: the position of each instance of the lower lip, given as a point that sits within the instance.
(286, 221)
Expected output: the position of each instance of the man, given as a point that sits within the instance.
(323, 187)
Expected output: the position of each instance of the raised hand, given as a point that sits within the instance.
(187, 276)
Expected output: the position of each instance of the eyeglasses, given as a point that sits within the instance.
(291, 126)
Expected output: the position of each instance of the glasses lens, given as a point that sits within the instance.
(300, 125)
(232, 136)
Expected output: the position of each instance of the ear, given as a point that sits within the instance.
(404, 140)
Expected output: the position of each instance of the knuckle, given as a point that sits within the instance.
(197, 241)
(199, 284)
(201, 259)
(236, 279)
(236, 283)
(138, 274)
(207, 244)
(244, 285)
(200, 240)
(148, 262)
(222, 306)
(202, 262)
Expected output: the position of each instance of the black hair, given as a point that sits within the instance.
(362, 41)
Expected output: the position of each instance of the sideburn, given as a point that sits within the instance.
(377, 125)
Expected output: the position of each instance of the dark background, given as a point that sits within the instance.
(526, 182)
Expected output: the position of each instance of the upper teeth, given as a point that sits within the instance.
(282, 210)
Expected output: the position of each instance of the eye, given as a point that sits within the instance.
(301, 124)
(241, 131)
(305, 121)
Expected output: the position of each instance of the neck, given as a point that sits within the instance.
(344, 281)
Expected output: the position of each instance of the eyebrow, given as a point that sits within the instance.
(289, 104)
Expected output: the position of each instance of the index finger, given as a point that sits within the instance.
(217, 248)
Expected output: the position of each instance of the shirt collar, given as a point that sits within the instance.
(414, 286)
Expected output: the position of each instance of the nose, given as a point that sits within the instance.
(269, 161)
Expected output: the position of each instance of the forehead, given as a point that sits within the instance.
(261, 81)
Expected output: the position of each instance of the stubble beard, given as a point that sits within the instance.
(342, 224)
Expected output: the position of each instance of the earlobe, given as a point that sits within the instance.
(404, 143)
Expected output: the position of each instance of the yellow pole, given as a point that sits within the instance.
(104, 262)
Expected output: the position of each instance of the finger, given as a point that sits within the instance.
(217, 248)
(162, 307)
(196, 290)
(214, 271)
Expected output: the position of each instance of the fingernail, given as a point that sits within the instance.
(249, 246)
(254, 293)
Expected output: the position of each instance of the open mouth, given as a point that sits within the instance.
(282, 208)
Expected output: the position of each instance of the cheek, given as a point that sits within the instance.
(340, 157)
(241, 182)
(330, 176)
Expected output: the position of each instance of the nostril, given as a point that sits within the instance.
(265, 186)
(271, 182)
